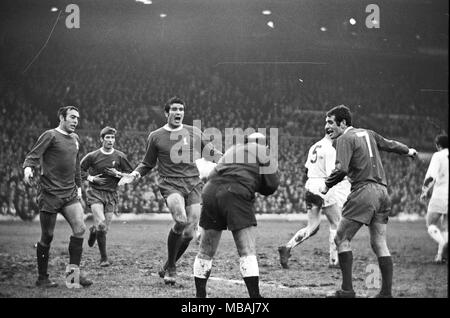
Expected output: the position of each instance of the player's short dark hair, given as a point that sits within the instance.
(340, 113)
(63, 110)
(107, 131)
(173, 100)
(441, 140)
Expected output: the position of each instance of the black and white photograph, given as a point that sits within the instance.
(226, 149)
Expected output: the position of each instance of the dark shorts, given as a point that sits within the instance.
(367, 204)
(107, 198)
(227, 205)
(313, 199)
(189, 188)
(54, 203)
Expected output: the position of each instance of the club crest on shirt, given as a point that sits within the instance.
(113, 163)
(77, 145)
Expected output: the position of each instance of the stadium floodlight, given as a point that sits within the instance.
(54, 9)
(163, 15)
(352, 21)
(323, 29)
(270, 24)
(267, 12)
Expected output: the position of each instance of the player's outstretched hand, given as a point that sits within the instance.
(129, 178)
(412, 153)
(97, 179)
(113, 172)
(28, 175)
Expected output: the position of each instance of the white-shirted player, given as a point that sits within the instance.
(319, 165)
(436, 178)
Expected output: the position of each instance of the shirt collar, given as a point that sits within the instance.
(166, 127)
(61, 131)
(347, 129)
(106, 153)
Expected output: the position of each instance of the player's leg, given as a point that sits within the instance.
(73, 213)
(433, 220)
(203, 261)
(379, 246)
(444, 227)
(248, 263)
(333, 214)
(99, 213)
(176, 205)
(302, 235)
(189, 232)
(98, 217)
(346, 231)
(47, 221)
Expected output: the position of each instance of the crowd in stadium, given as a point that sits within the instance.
(129, 96)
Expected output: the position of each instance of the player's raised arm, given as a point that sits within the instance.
(392, 145)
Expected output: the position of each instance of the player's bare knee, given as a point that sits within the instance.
(102, 227)
(179, 226)
(46, 239)
(79, 230)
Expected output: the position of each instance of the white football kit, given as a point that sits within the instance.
(438, 170)
(320, 163)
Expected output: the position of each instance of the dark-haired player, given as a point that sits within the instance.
(103, 169)
(358, 158)
(436, 178)
(57, 152)
(173, 147)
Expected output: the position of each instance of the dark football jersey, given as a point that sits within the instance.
(58, 156)
(175, 151)
(358, 157)
(96, 162)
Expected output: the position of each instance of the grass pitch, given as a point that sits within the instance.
(137, 250)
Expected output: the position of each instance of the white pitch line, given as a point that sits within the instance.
(240, 282)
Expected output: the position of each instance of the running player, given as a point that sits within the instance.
(319, 165)
(103, 169)
(173, 147)
(57, 152)
(436, 178)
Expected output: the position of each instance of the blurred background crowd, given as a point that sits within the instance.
(130, 96)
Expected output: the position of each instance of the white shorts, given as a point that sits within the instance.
(438, 205)
(336, 195)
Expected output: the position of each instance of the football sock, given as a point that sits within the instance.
(42, 254)
(202, 270)
(333, 248)
(346, 262)
(250, 272)
(252, 284)
(75, 250)
(297, 238)
(101, 240)
(386, 268)
(200, 287)
(172, 247)
(435, 234)
(183, 246)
